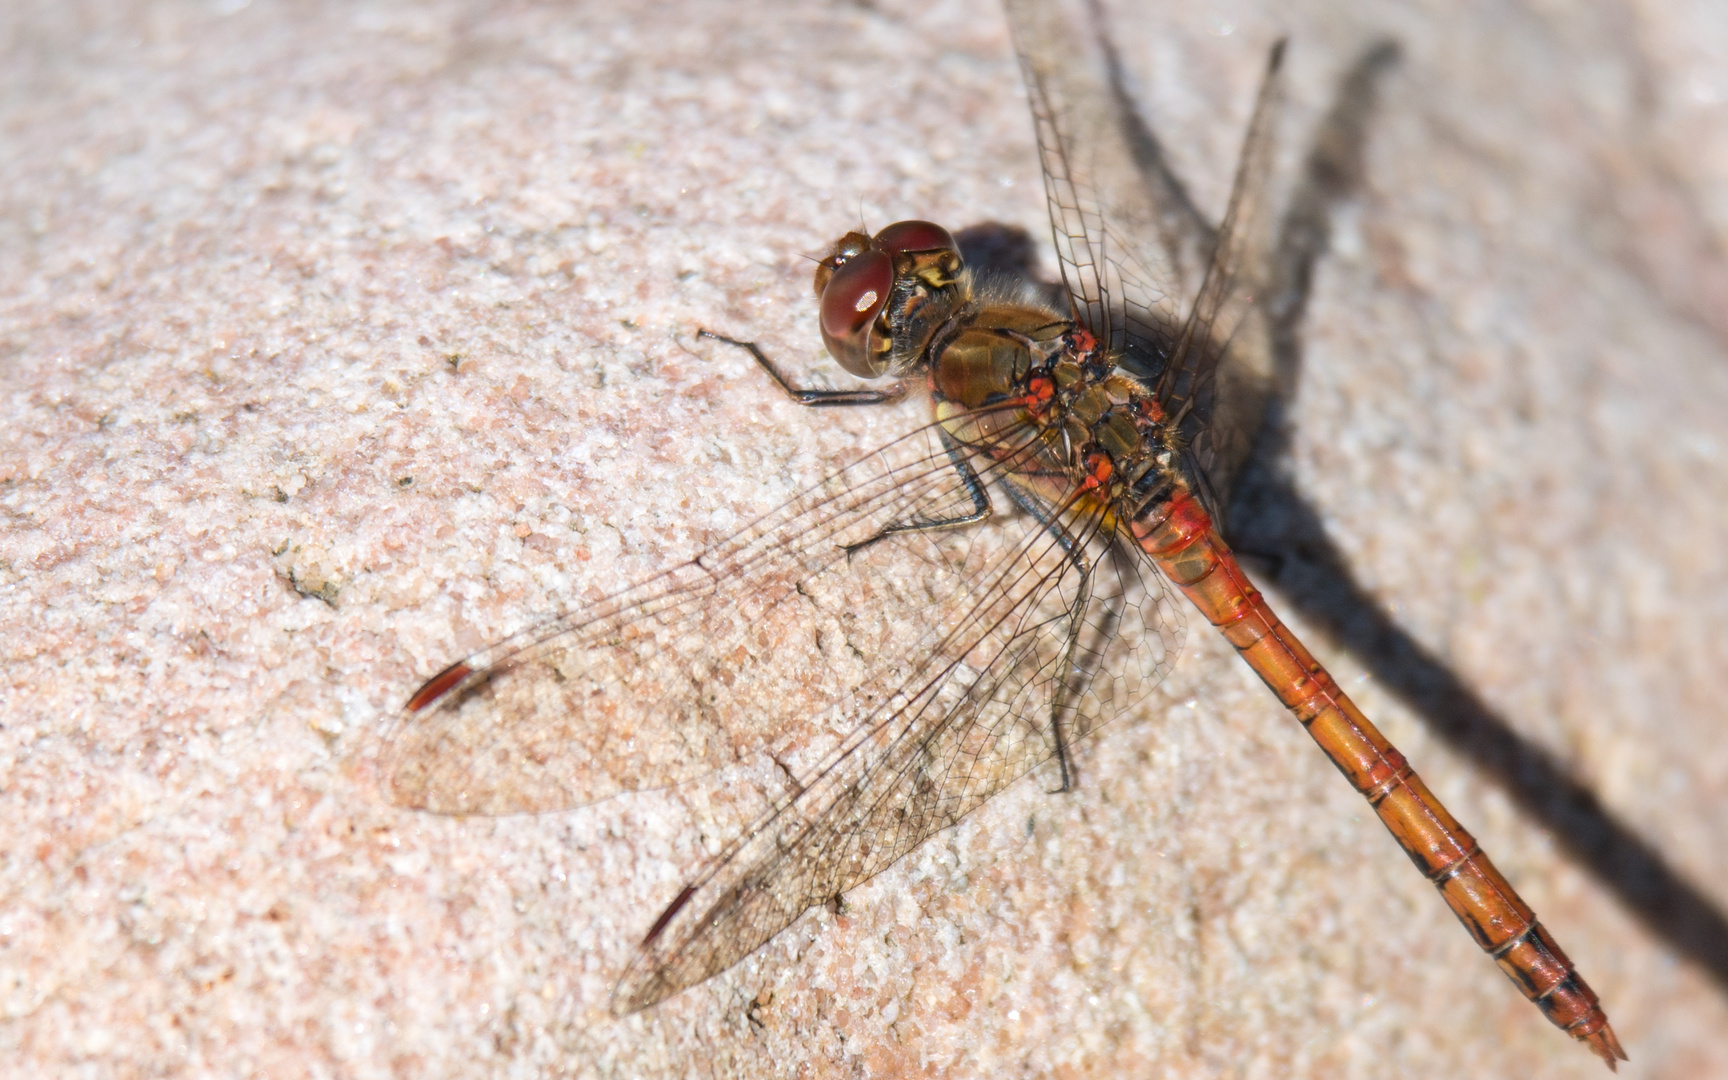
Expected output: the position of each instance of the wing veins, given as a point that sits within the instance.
(824, 835)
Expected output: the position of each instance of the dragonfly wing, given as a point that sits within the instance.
(1175, 298)
(1031, 652)
(1128, 239)
(1221, 371)
(663, 682)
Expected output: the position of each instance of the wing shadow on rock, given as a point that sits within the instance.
(1274, 525)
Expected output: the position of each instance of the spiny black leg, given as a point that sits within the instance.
(816, 398)
(1046, 516)
(981, 507)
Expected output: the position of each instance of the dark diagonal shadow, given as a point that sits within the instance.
(1277, 528)
(1274, 520)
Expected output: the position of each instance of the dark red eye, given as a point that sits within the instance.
(847, 248)
(852, 299)
(914, 236)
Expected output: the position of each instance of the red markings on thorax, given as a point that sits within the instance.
(1040, 392)
(1099, 469)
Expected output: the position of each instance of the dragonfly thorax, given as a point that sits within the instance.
(1003, 374)
(1009, 375)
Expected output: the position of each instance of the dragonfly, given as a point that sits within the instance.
(973, 598)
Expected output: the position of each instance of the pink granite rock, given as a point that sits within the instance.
(338, 341)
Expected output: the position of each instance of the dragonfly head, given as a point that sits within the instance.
(882, 296)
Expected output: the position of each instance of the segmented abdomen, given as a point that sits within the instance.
(1180, 537)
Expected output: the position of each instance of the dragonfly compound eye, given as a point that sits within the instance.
(921, 250)
(847, 248)
(852, 298)
(914, 236)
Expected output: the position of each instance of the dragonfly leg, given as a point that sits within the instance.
(981, 507)
(815, 398)
(1074, 678)
(1045, 515)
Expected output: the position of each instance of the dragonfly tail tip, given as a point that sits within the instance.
(1604, 1045)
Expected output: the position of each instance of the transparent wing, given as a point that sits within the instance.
(956, 661)
(1222, 367)
(1048, 631)
(648, 688)
(1125, 249)
(1175, 299)
(669, 680)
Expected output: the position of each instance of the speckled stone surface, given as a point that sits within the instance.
(338, 340)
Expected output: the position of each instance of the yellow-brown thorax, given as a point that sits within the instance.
(1032, 390)
(1010, 378)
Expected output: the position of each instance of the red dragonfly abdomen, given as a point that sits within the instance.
(1181, 538)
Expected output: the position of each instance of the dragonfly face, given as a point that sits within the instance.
(883, 297)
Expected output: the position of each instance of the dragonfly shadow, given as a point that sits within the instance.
(1274, 525)
(1273, 519)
